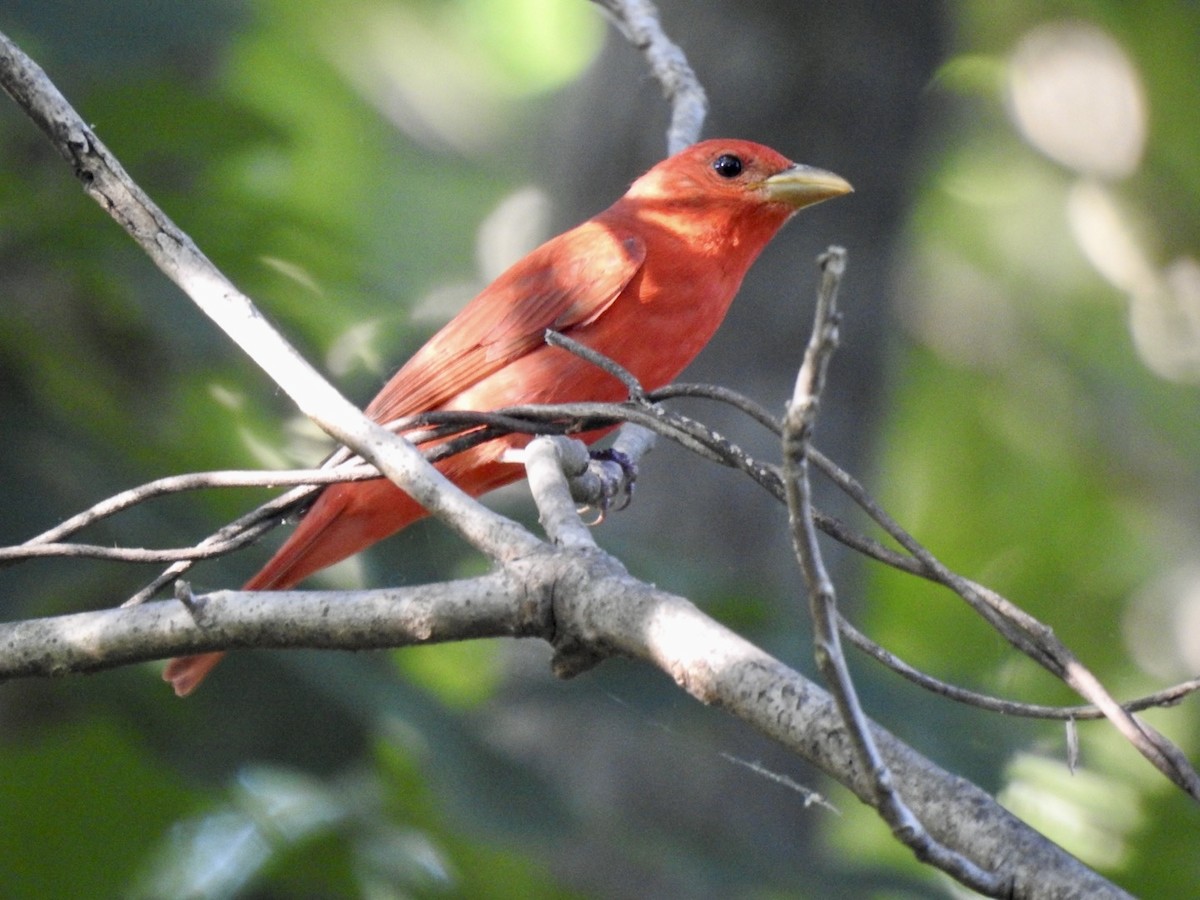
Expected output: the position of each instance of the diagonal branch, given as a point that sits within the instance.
(106, 182)
(798, 424)
(638, 21)
(588, 595)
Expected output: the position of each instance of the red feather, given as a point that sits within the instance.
(646, 283)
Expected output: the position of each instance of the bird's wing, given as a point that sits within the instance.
(566, 282)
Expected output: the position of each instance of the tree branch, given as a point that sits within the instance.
(106, 182)
(638, 21)
(576, 597)
(798, 425)
(588, 596)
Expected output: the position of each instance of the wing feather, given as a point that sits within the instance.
(568, 281)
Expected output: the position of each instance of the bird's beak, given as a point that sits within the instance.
(802, 186)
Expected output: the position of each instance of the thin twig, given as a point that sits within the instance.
(196, 481)
(754, 410)
(599, 360)
(638, 21)
(1036, 640)
(1167, 697)
(797, 433)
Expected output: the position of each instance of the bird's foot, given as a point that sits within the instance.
(618, 474)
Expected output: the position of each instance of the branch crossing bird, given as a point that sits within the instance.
(646, 283)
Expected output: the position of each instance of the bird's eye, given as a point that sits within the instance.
(727, 165)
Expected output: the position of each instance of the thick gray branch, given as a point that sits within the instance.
(588, 596)
(343, 620)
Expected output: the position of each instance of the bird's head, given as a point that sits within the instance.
(737, 174)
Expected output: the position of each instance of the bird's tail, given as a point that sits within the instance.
(345, 519)
(184, 673)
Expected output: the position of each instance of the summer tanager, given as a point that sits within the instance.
(645, 283)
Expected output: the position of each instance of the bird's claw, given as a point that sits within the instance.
(610, 485)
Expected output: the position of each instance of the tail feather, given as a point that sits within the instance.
(345, 519)
(339, 525)
(184, 673)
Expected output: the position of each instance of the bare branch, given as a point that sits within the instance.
(722, 669)
(549, 595)
(195, 481)
(181, 260)
(638, 21)
(548, 463)
(88, 642)
(1036, 640)
(599, 360)
(798, 425)
(1167, 697)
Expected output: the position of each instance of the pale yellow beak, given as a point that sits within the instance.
(802, 186)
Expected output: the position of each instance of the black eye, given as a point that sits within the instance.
(727, 165)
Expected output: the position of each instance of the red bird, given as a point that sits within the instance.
(646, 283)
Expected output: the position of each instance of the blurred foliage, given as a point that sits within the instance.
(340, 163)
(84, 791)
(1042, 437)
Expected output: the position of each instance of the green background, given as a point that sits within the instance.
(1019, 401)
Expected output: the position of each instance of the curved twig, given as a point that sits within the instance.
(638, 21)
